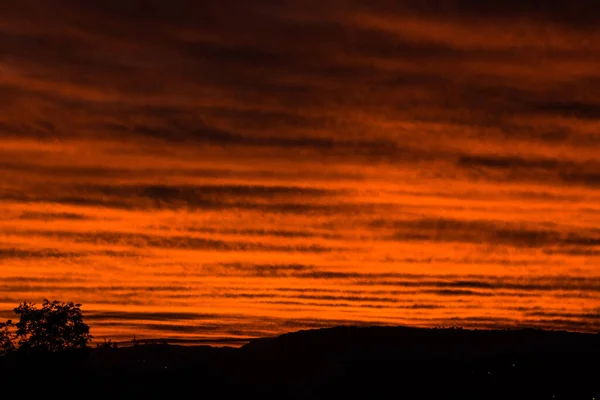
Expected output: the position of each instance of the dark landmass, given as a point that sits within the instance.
(335, 363)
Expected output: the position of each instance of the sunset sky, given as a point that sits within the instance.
(232, 169)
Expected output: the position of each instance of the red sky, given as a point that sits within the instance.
(222, 169)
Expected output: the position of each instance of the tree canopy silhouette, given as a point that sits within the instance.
(54, 327)
(6, 343)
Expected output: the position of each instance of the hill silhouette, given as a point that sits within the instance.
(340, 362)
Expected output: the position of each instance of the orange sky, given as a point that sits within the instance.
(219, 169)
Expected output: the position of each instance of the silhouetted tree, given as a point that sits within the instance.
(6, 338)
(107, 345)
(55, 327)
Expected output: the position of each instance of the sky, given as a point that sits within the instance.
(220, 169)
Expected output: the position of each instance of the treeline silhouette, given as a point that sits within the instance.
(55, 327)
(343, 362)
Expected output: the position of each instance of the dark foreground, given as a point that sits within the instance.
(337, 363)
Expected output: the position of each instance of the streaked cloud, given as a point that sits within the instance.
(218, 169)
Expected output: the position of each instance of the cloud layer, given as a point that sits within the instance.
(215, 169)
